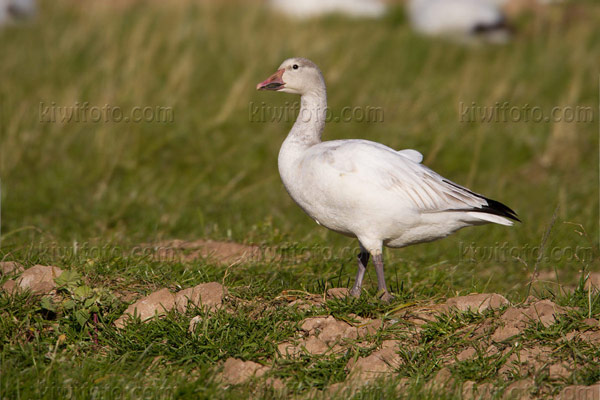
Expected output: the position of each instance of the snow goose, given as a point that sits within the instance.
(463, 20)
(364, 189)
(14, 10)
(314, 8)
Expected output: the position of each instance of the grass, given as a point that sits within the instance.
(83, 195)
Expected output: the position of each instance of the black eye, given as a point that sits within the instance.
(295, 66)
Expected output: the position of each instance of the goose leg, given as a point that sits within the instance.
(363, 259)
(382, 288)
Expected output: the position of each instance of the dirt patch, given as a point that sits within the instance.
(421, 314)
(477, 302)
(155, 304)
(514, 320)
(39, 279)
(303, 300)
(544, 311)
(10, 268)
(214, 251)
(331, 330)
(519, 390)
(591, 336)
(236, 371)
(466, 354)
(442, 380)
(9, 286)
(320, 335)
(527, 359)
(592, 322)
(338, 293)
(471, 390)
(379, 364)
(206, 295)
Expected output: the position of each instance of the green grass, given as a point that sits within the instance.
(105, 188)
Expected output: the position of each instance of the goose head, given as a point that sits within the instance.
(295, 75)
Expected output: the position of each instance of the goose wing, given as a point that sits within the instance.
(388, 172)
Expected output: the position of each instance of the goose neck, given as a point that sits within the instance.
(311, 118)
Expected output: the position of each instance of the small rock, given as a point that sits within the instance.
(10, 268)
(514, 315)
(337, 390)
(421, 317)
(157, 303)
(468, 389)
(236, 371)
(471, 390)
(208, 295)
(338, 293)
(442, 380)
(477, 302)
(275, 383)
(9, 286)
(518, 390)
(311, 324)
(531, 358)
(558, 371)
(571, 335)
(369, 326)
(474, 391)
(390, 344)
(591, 336)
(544, 311)
(39, 278)
(314, 345)
(505, 332)
(379, 364)
(514, 321)
(328, 329)
(311, 345)
(591, 322)
(337, 330)
(466, 354)
(580, 392)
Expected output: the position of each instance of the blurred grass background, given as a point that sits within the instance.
(212, 172)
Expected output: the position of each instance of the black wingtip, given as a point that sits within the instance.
(500, 25)
(493, 206)
(497, 208)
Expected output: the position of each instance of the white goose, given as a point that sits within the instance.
(459, 19)
(364, 189)
(14, 10)
(313, 8)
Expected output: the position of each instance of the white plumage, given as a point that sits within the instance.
(14, 10)
(314, 8)
(459, 19)
(364, 189)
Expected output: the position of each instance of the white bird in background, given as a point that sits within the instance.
(462, 20)
(15, 10)
(313, 8)
(364, 189)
